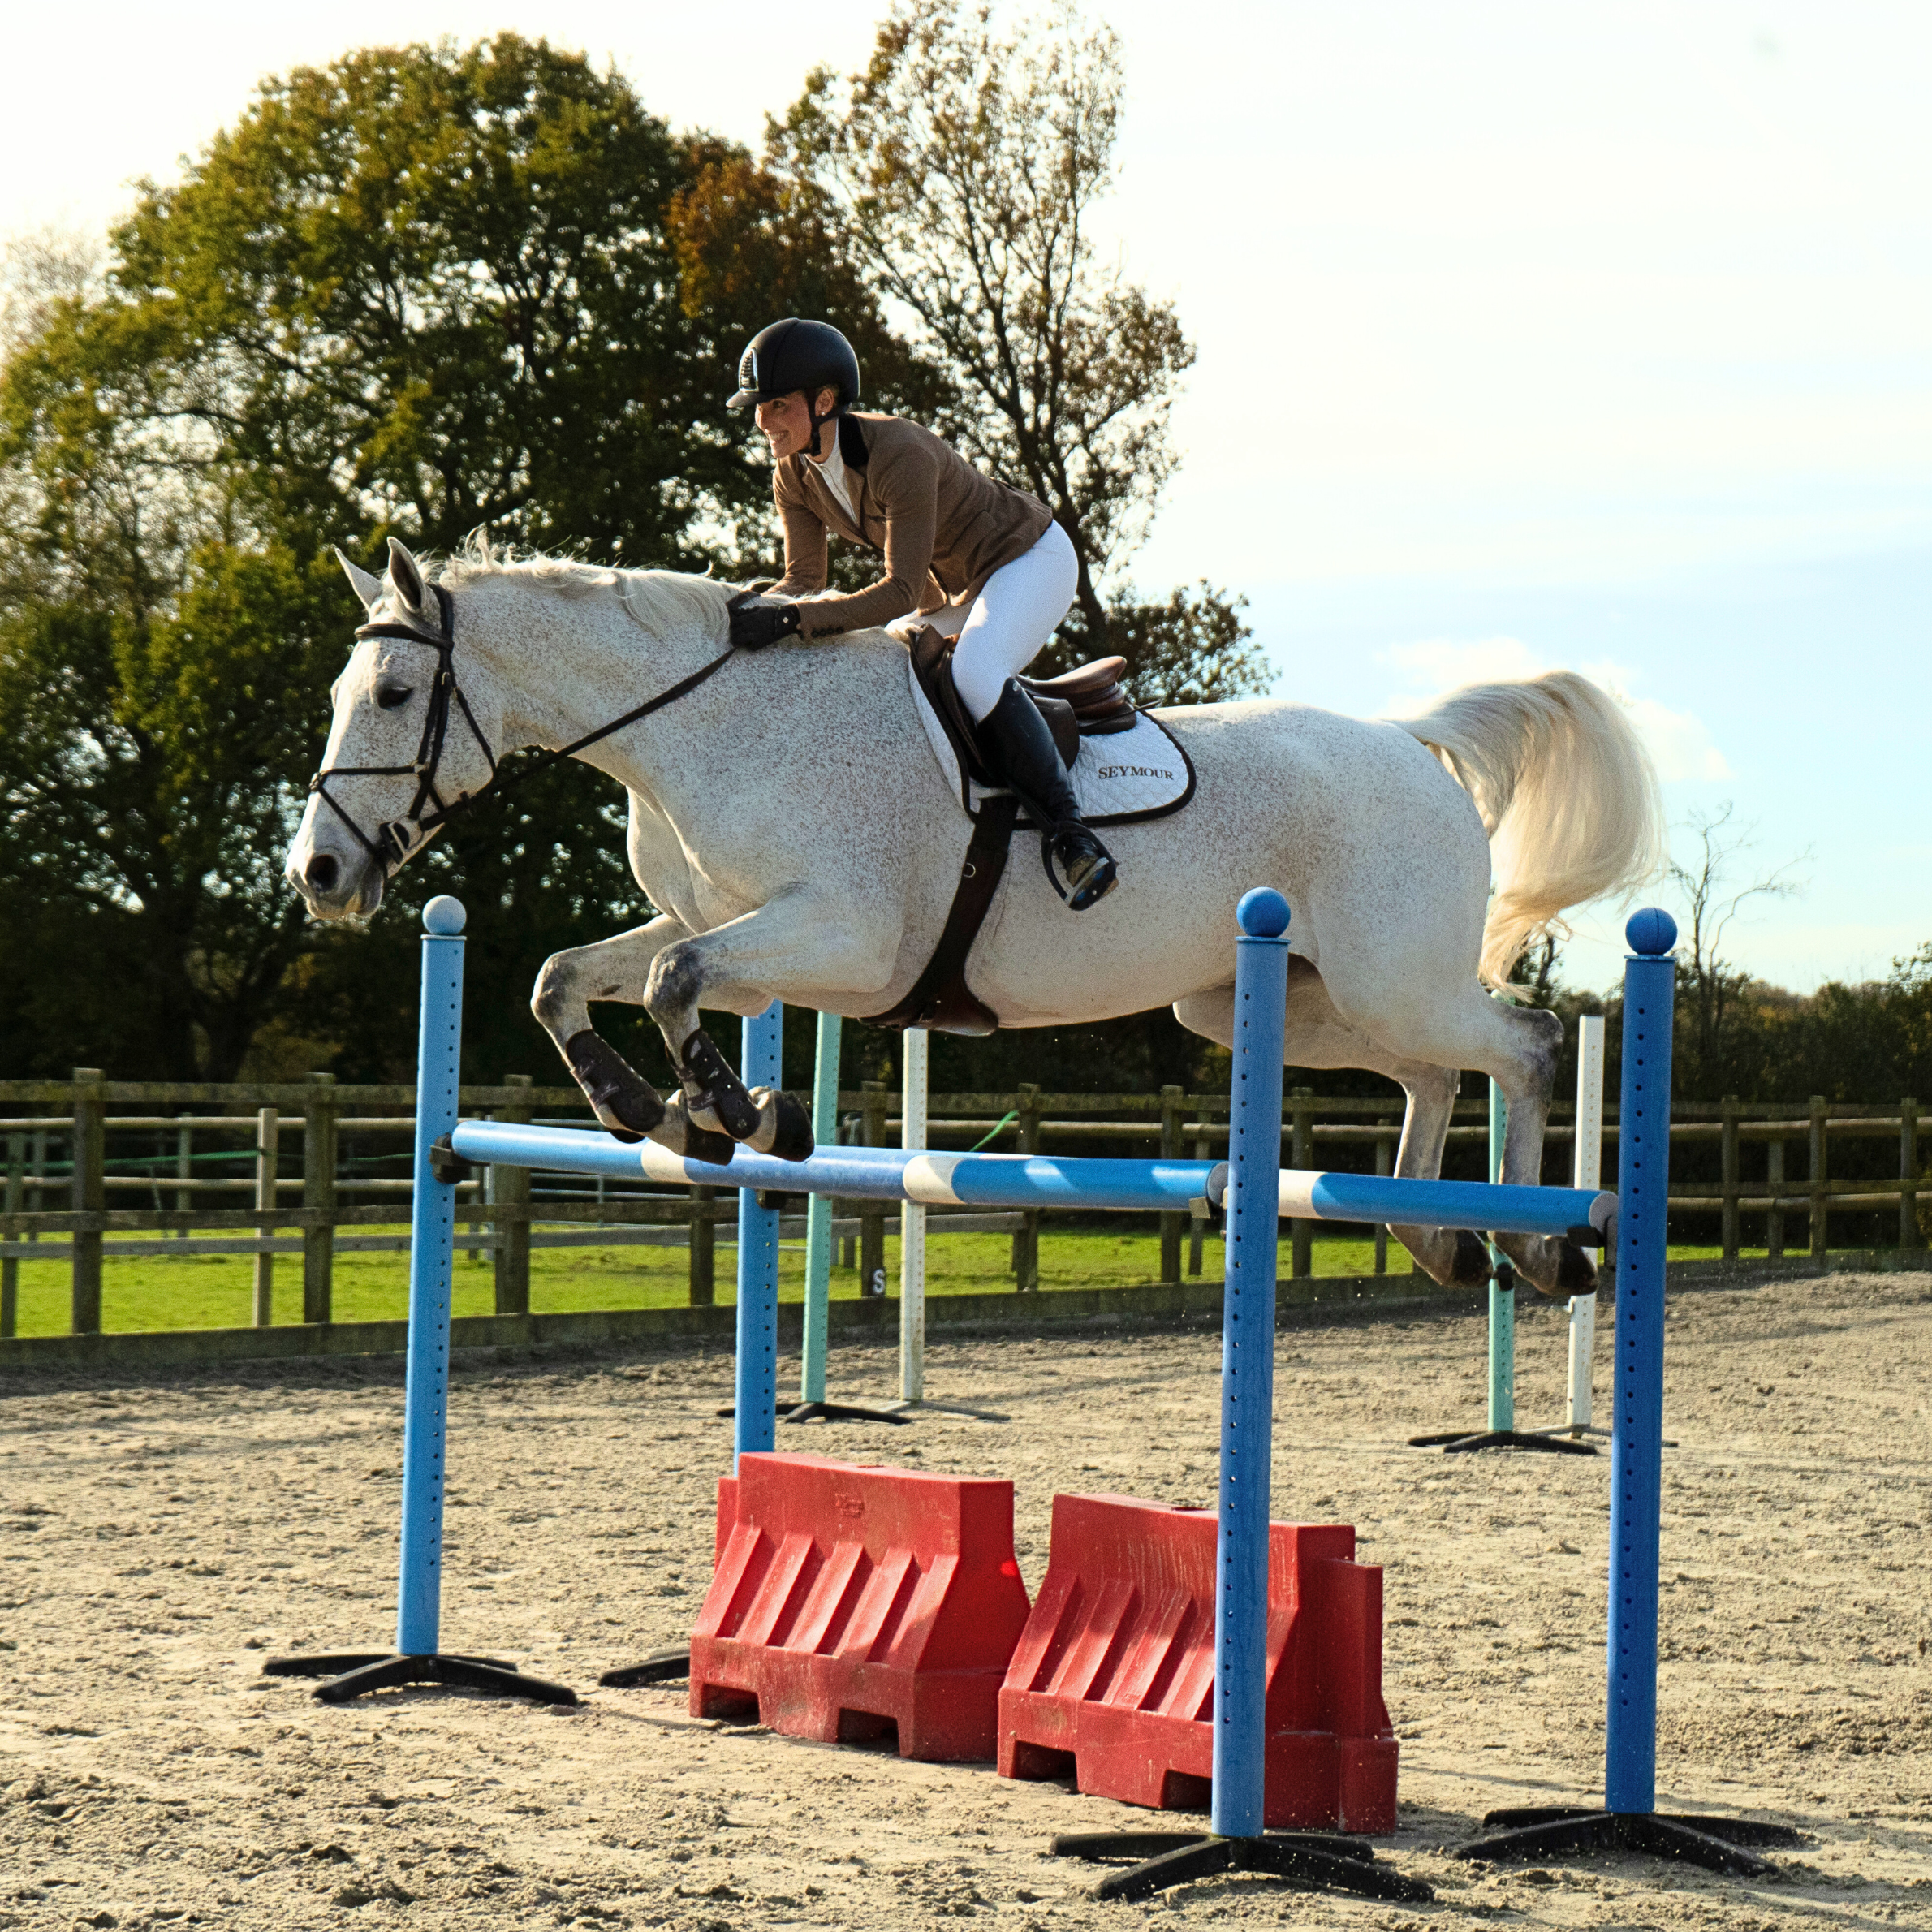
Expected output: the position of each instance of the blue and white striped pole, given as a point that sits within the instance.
(431, 1247)
(760, 1064)
(1636, 1446)
(818, 1214)
(1247, 1368)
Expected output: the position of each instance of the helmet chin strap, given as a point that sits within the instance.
(818, 422)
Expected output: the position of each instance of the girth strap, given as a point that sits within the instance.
(940, 997)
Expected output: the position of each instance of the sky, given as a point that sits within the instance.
(1597, 336)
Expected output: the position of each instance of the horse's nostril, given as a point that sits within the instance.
(321, 872)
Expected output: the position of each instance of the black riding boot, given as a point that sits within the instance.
(1018, 744)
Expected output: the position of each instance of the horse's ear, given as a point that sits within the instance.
(369, 588)
(406, 581)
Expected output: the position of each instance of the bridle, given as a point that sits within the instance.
(399, 838)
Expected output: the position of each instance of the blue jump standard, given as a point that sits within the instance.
(1235, 1840)
(417, 1659)
(1629, 1821)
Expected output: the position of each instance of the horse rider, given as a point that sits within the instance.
(987, 562)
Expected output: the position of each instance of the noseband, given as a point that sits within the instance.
(397, 839)
(393, 841)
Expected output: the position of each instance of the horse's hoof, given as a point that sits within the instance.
(685, 1138)
(784, 1127)
(1471, 1267)
(627, 1104)
(712, 1087)
(1576, 1273)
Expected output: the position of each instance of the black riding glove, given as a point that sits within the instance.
(757, 620)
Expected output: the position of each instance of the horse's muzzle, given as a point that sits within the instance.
(329, 894)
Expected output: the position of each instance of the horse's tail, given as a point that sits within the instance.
(1566, 791)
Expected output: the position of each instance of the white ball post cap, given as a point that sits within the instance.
(444, 917)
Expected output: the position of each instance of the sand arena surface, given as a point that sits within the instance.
(157, 1540)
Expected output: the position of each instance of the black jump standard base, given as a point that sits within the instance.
(351, 1673)
(1716, 1845)
(1317, 1861)
(659, 1667)
(1457, 1441)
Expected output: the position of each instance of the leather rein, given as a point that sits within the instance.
(399, 838)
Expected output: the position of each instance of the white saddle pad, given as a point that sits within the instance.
(1124, 776)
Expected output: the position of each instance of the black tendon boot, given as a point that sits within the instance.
(1020, 748)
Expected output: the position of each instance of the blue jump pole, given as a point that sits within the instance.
(432, 1238)
(1629, 1821)
(756, 1405)
(1247, 1368)
(1636, 1442)
(426, 1376)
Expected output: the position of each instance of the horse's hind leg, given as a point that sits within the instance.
(1551, 1263)
(1317, 1035)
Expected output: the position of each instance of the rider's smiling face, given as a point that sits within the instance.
(787, 423)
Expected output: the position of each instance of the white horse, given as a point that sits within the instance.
(789, 819)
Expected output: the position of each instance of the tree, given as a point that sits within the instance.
(961, 169)
(422, 289)
(1709, 988)
(432, 290)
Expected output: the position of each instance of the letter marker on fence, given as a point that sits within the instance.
(417, 1659)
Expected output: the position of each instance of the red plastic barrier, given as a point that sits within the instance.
(846, 1600)
(1115, 1676)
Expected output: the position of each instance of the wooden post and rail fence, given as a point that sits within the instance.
(56, 1137)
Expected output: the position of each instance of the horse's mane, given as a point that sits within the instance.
(659, 600)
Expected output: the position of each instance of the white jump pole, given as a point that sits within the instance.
(914, 1114)
(1586, 1171)
(912, 1224)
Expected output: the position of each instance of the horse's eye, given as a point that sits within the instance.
(391, 695)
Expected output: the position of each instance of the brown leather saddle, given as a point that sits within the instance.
(1085, 702)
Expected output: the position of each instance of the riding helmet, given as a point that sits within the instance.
(793, 355)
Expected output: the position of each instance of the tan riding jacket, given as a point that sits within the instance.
(944, 528)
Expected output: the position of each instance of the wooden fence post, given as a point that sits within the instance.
(1170, 1224)
(88, 1195)
(10, 1268)
(701, 1262)
(184, 1170)
(1385, 1163)
(1774, 1181)
(1817, 1175)
(1909, 1235)
(511, 1189)
(872, 1213)
(1728, 1234)
(1026, 1242)
(268, 1160)
(318, 1198)
(1197, 1227)
(1302, 1237)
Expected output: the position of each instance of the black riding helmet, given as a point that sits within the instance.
(796, 354)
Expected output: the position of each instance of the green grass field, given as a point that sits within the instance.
(216, 1292)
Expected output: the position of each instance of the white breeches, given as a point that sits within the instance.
(1011, 619)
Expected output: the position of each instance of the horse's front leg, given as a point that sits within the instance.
(622, 1099)
(798, 945)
